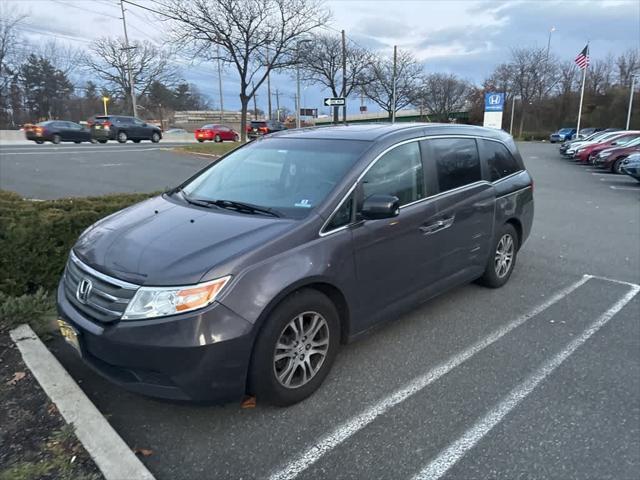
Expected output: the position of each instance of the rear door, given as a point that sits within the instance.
(465, 204)
(62, 129)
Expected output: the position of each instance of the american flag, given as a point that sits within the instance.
(582, 60)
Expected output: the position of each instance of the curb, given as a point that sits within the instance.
(111, 454)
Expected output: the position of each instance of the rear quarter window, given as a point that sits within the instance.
(500, 162)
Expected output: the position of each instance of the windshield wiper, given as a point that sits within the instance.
(243, 207)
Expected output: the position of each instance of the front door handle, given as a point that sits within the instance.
(438, 225)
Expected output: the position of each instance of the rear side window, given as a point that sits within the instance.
(399, 173)
(457, 162)
(499, 160)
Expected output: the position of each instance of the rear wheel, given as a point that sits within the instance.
(56, 139)
(102, 141)
(502, 259)
(155, 138)
(136, 141)
(295, 348)
(93, 140)
(200, 140)
(39, 142)
(122, 137)
(77, 141)
(217, 138)
(236, 138)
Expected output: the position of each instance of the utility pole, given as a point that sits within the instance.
(268, 84)
(633, 85)
(277, 94)
(513, 109)
(344, 78)
(255, 108)
(220, 88)
(546, 61)
(127, 49)
(393, 95)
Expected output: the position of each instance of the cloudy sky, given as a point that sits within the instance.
(468, 38)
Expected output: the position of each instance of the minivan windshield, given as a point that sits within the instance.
(289, 176)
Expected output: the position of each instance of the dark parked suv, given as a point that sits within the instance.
(248, 276)
(121, 128)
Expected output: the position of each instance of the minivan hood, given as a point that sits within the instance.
(159, 242)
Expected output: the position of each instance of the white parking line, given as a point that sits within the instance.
(355, 424)
(448, 457)
(633, 189)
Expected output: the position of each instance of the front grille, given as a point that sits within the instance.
(107, 298)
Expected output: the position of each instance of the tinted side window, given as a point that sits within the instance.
(499, 160)
(399, 173)
(457, 162)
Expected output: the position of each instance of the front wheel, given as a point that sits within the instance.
(155, 138)
(502, 258)
(236, 138)
(56, 139)
(295, 349)
(122, 137)
(217, 139)
(93, 140)
(617, 166)
(136, 141)
(102, 141)
(39, 142)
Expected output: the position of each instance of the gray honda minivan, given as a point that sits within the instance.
(248, 276)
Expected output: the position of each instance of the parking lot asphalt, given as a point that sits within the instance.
(69, 170)
(538, 379)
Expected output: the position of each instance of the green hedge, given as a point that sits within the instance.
(36, 236)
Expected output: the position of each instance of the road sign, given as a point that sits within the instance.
(493, 102)
(334, 102)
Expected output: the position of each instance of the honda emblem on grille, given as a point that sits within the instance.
(83, 290)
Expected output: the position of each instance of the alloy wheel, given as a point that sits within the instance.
(504, 255)
(301, 350)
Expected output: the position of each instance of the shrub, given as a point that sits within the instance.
(35, 237)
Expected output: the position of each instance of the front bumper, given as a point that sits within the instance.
(201, 356)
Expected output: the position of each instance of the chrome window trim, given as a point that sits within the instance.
(322, 233)
(106, 278)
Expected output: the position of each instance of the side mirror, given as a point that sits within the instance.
(380, 206)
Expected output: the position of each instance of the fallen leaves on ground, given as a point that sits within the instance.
(248, 402)
(17, 376)
(145, 452)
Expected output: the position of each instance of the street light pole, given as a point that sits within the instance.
(104, 102)
(546, 61)
(298, 80)
(220, 87)
(513, 109)
(393, 95)
(127, 49)
(633, 85)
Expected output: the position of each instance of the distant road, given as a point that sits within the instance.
(68, 170)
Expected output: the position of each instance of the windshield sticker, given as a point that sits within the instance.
(303, 203)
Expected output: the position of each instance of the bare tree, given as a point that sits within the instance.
(441, 94)
(107, 59)
(627, 63)
(321, 63)
(255, 36)
(380, 87)
(65, 58)
(599, 76)
(10, 57)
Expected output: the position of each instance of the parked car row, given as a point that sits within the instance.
(608, 149)
(101, 129)
(567, 134)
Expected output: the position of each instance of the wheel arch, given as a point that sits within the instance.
(515, 223)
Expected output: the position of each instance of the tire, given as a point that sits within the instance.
(56, 139)
(615, 168)
(102, 141)
(93, 140)
(236, 138)
(136, 141)
(39, 142)
(155, 137)
(495, 275)
(200, 140)
(217, 139)
(77, 141)
(295, 365)
(122, 137)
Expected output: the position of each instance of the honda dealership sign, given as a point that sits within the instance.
(493, 107)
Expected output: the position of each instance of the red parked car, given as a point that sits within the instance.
(612, 158)
(217, 133)
(583, 153)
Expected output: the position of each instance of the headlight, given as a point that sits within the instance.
(151, 302)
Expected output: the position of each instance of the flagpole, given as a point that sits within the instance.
(584, 77)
